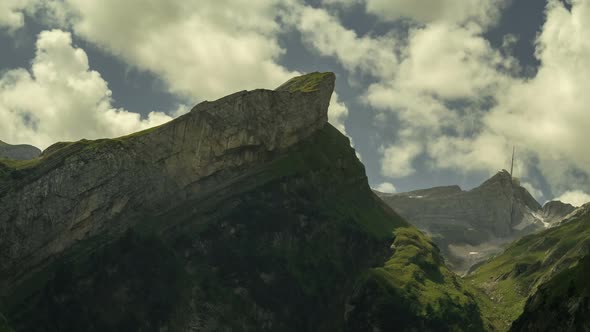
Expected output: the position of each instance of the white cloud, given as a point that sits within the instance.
(326, 35)
(575, 198)
(386, 187)
(397, 159)
(11, 13)
(482, 12)
(449, 79)
(549, 113)
(201, 49)
(534, 191)
(450, 62)
(337, 113)
(342, 3)
(438, 95)
(60, 98)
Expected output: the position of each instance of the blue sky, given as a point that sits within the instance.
(431, 92)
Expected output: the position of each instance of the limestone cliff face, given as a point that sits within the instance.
(18, 152)
(76, 190)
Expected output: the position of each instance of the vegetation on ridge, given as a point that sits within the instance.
(305, 83)
(562, 303)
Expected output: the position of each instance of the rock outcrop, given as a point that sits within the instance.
(80, 189)
(469, 226)
(555, 211)
(18, 152)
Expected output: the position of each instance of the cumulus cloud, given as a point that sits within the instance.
(439, 94)
(337, 113)
(546, 116)
(59, 98)
(342, 3)
(483, 12)
(450, 62)
(549, 113)
(11, 13)
(575, 197)
(324, 33)
(386, 187)
(200, 49)
(460, 107)
(397, 159)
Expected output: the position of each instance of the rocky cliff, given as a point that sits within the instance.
(18, 152)
(79, 189)
(469, 226)
(249, 213)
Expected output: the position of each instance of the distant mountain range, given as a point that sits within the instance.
(18, 152)
(470, 226)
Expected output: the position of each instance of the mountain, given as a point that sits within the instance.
(250, 213)
(469, 226)
(550, 269)
(18, 152)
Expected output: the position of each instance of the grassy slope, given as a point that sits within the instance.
(280, 249)
(509, 278)
(415, 290)
(562, 303)
(305, 83)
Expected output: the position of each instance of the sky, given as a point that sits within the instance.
(431, 92)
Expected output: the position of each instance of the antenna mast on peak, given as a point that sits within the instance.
(512, 163)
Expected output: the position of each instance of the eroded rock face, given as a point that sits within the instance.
(555, 211)
(18, 152)
(469, 226)
(89, 187)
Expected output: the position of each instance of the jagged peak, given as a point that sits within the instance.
(272, 119)
(501, 179)
(509, 186)
(557, 203)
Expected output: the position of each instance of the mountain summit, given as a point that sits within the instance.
(469, 226)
